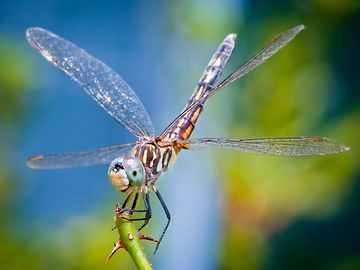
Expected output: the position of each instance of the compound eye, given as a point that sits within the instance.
(117, 167)
(134, 170)
(117, 175)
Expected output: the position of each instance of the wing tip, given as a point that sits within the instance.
(31, 161)
(293, 32)
(340, 147)
(30, 33)
(232, 36)
(34, 35)
(33, 30)
(345, 148)
(299, 28)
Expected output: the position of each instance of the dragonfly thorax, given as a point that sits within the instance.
(156, 156)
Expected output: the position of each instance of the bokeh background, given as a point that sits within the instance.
(230, 210)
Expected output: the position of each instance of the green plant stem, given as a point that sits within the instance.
(131, 242)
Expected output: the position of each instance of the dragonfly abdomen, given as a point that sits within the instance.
(213, 69)
(186, 124)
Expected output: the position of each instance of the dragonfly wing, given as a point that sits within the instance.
(80, 159)
(265, 53)
(281, 146)
(108, 89)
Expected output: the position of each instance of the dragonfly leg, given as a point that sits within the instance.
(146, 198)
(126, 200)
(134, 203)
(121, 209)
(135, 219)
(167, 213)
(132, 209)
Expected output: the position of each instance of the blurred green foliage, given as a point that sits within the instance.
(310, 88)
(301, 91)
(76, 245)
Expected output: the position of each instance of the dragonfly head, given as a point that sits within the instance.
(126, 172)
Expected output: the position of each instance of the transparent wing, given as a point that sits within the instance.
(265, 53)
(80, 159)
(108, 89)
(281, 146)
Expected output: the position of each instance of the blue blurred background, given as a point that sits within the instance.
(230, 210)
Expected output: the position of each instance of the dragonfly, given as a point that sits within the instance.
(134, 167)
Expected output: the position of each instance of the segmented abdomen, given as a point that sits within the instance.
(186, 124)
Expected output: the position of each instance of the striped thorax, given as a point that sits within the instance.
(147, 160)
(157, 156)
